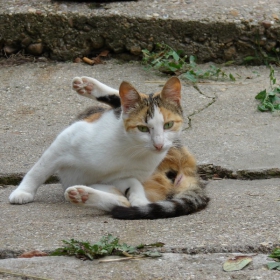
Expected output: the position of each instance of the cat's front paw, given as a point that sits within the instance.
(20, 197)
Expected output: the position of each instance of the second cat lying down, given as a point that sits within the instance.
(174, 188)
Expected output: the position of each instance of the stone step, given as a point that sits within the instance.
(218, 31)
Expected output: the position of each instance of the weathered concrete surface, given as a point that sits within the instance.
(231, 133)
(222, 128)
(37, 103)
(243, 216)
(212, 30)
(170, 266)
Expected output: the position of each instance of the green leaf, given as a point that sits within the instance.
(231, 77)
(273, 265)
(261, 95)
(192, 61)
(188, 75)
(158, 64)
(275, 253)
(230, 62)
(249, 58)
(175, 56)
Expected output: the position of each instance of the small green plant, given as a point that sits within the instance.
(275, 255)
(262, 56)
(107, 246)
(270, 100)
(169, 61)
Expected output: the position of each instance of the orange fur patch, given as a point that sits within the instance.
(159, 187)
(170, 116)
(93, 117)
(134, 121)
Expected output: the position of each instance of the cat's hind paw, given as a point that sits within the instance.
(20, 197)
(76, 195)
(86, 196)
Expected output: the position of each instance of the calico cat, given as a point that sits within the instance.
(102, 160)
(174, 188)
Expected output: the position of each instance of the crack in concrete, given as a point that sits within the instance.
(189, 117)
(206, 171)
(211, 171)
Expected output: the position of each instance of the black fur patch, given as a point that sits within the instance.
(113, 100)
(158, 211)
(118, 112)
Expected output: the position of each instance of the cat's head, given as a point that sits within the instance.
(155, 119)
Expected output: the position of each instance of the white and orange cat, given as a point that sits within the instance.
(104, 158)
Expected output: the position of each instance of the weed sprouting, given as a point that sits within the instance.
(167, 60)
(108, 245)
(270, 100)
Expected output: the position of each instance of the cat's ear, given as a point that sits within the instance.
(172, 90)
(129, 96)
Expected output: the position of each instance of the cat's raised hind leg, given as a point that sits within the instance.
(87, 196)
(92, 88)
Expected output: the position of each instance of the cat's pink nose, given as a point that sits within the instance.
(158, 146)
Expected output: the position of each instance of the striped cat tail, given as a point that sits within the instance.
(175, 207)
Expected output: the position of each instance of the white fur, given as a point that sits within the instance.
(100, 155)
(97, 89)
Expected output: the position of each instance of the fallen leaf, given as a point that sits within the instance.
(97, 60)
(273, 265)
(104, 53)
(236, 263)
(32, 254)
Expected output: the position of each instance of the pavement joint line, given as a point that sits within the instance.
(206, 171)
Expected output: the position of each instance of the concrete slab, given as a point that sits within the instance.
(37, 103)
(231, 133)
(243, 216)
(169, 266)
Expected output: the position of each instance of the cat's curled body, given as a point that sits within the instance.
(103, 160)
(173, 189)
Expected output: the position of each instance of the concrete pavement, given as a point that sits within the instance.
(222, 128)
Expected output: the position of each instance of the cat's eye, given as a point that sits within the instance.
(168, 125)
(143, 128)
